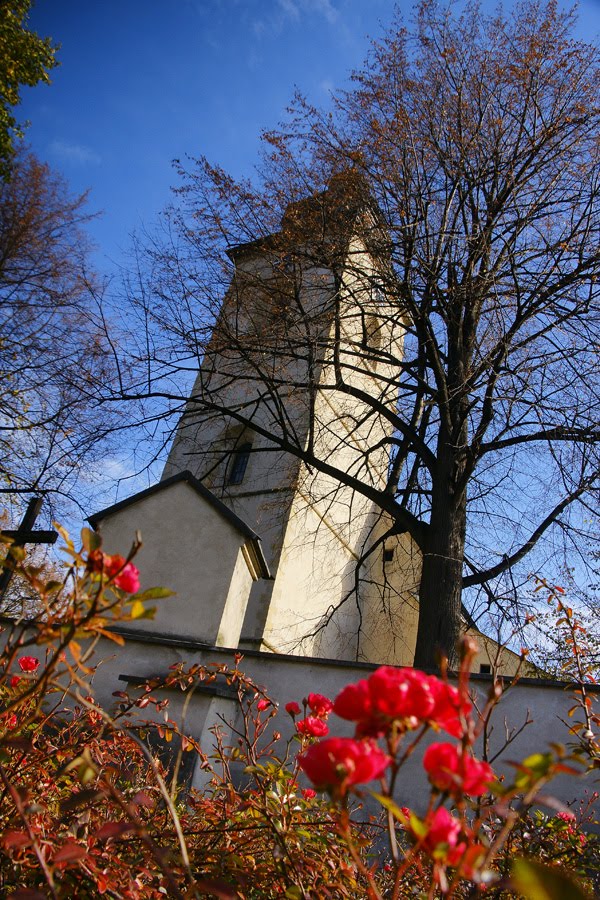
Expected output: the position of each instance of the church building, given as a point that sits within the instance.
(264, 551)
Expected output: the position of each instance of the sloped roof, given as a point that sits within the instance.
(186, 477)
(326, 221)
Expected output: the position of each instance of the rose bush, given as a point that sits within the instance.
(89, 809)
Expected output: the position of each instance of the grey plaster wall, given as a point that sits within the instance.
(292, 678)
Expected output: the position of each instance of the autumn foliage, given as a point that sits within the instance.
(92, 804)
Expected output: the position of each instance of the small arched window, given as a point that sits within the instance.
(239, 462)
(371, 332)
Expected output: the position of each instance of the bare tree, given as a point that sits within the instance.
(469, 160)
(54, 362)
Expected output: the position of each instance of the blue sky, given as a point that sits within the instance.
(142, 82)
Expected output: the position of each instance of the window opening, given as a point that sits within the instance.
(485, 669)
(371, 336)
(239, 462)
(388, 554)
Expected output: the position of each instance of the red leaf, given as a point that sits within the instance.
(70, 852)
(216, 887)
(15, 839)
(27, 894)
(143, 799)
(113, 829)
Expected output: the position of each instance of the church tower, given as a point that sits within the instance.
(307, 306)
(269, 522)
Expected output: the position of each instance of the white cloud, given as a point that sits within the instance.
(290, 8)
(75, 153)
(294, 9)
(326, 8)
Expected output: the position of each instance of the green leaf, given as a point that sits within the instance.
(155, 593)
(389, 804)
(536, 881)
(139, 611)
(52, 586)
(90, 540)
(532, 768)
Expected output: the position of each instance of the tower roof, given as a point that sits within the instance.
(322, 224)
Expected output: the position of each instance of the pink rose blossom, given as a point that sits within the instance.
(354, 702)
(338, 763)
(125, 575)
(292, 708)
(442, 828)
(452, 770)
(450, 710)
(129, 579)
(565, 816)
(312, 727)
(401, 693)
(319, 705)
(406, 696)
(28, 663)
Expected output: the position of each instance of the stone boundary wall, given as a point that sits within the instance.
(534, 712)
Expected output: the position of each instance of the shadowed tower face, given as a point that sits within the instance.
(305, 311)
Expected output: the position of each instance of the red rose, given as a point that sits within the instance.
(125, 575)
(319, 705)
(263, 704)
(450, 710)
(312, 727)
(401, 693)
(11, 722)
(354, 702)
(28, 663)
(452, 770)
(129, 579)
(292, 708)
(308, 793)
(442, 828)
(340, 762)
(14, 680)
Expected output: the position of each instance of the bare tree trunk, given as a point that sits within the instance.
(440, 592)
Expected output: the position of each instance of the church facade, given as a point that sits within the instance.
(263, 551)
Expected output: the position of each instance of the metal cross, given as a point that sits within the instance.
(22, 535)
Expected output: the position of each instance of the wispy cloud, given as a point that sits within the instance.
(294, 11)
(75, 153)
(325, 8)
(290, 8)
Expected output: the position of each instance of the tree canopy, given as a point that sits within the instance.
(473, 142)
(25, 59)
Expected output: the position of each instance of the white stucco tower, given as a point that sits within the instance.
(305, 308)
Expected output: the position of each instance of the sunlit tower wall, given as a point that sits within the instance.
(304, 332)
